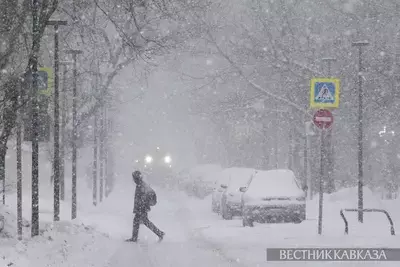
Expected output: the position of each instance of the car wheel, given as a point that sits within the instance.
(2, 222)
(247, 222)
(226, 213)
(214, 207)
(251, 223)
(297, 220)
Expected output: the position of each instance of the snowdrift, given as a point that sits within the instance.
(248, 244)
(61, 244)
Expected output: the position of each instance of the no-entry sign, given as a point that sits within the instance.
(323, 119)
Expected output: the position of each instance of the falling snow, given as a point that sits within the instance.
(210, 101)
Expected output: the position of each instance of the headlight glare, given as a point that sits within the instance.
(148, 159)
(167, 159)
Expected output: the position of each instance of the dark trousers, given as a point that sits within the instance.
(143, 218)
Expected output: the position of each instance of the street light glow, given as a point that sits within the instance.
(167, 159)
(148, 159)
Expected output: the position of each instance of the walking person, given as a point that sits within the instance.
(145, 197)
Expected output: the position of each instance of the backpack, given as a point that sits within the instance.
(152, 197)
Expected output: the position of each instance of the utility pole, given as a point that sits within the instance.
(106, 173)
(105, 153)
(276, 137)
(35, 117)
(95, 143)
(64, 108)
(327, 149)
(95, 157)
(3, 168)
(110, 154)
(56, 161)
(19, 164)
(360, 45)
(101, 189)
(74, 53)
(95, 121)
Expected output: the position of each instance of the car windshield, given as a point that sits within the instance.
(239, 178)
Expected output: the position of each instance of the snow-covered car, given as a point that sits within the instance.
(273, 196)
(199, 181)
(2, 222)
(231, 200)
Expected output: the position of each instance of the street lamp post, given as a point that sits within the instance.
(35, 118)
(74, 53)
(96, 141)
(102, 150)
(106, 161)
(19, 164)
(360, 45)
(56, 161)
(64, 108)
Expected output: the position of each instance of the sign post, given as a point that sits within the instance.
(309, 132)
(324, 95)
(323, 119)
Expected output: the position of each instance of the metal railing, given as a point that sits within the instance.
(346, 223)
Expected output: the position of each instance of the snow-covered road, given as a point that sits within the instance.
(182, 246)
(195, 236)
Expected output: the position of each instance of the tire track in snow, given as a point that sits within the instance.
(193, 250)
(184, 214)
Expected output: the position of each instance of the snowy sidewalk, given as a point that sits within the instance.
(64, 245)
(99, 240)
(249, 245)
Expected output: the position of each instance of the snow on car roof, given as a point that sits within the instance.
(274, 183)
(234, 173)
(239, 177)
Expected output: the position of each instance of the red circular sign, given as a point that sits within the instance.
(323, 119)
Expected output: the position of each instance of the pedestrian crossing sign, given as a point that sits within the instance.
(324, 93)
(45, 81)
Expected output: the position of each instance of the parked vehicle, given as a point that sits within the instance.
(199, 181)
(273, 196)
(2, 222)
(231, 200)
(220, 185)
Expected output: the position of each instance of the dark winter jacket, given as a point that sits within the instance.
(142, 204)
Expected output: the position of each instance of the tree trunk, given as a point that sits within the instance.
(3, 151)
